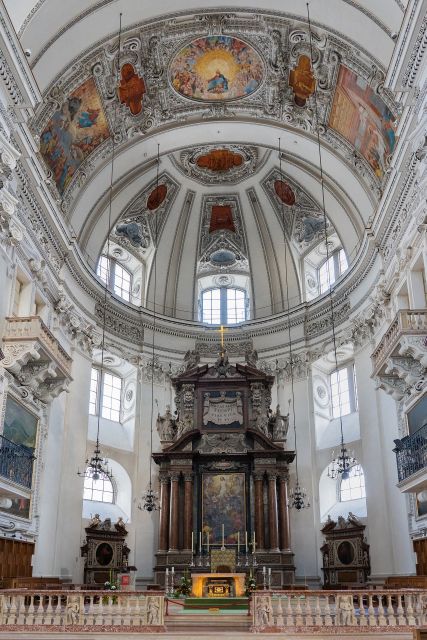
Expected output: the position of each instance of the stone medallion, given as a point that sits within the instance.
(211, 164)
(216, 68)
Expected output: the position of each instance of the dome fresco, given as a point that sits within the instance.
(216, 68)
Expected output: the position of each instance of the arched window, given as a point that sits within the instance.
(224, 305)
(105, 393)
(331, 269)
(353, 487)
(117, 279)
(100, 490)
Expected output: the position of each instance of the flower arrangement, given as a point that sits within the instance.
(185, 585)
(110, 585)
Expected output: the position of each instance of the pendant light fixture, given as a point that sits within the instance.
(150, 499)
(344, 461)
(97, 466)
(298, 498)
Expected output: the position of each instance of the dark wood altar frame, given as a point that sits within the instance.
(251, 449)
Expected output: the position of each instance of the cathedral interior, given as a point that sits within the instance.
(213, 318)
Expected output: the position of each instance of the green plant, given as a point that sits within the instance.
(185, 585)
(250, 585)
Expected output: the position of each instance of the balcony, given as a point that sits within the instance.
(399, 362)
(35, 357)
(411, 458)
(16, 462)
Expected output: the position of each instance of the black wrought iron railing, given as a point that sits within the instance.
(16, 462)
(411, 453)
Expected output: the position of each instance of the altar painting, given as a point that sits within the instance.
(73, 132)
(216, 68)
(224, 503)
(362, 117)
(20, 425)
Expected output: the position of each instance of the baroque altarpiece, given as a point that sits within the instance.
(224, 473)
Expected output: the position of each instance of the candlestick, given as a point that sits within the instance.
(222, 537)
(173, 569)
(200, 542)
(246, 541)
(192, 542)
(263, 569)
(207, 541)
(238, 542)
(269, 571)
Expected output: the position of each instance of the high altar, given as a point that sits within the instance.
(224, 465)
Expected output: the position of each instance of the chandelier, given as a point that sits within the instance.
(298, 496)
(150, 499)
(341, 464)
(96, 466)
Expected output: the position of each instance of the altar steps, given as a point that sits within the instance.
(207, 623)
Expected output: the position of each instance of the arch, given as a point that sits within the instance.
(330, 503)
(122, 503)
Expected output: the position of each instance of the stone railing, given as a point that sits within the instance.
(275, 611)
(102, 610)
(406, 322)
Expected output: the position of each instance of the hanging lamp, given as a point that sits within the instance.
(150, 499)
(345, 460)
(298, 498)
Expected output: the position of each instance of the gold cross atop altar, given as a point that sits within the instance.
(222, 330)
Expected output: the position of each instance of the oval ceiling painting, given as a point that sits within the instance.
(216, 68)
(284, 192)
(156, 197)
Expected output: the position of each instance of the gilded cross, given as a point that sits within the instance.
(222, 330)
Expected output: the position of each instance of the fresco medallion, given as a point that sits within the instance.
(216, 68)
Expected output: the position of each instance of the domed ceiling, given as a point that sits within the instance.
(215, 94)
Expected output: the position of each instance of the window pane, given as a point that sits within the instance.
(122, 282)
(103, 269)
(111, 397)
(93, 396)
(100, 490)
(340, 393)
(342, 259)
(211, 306)
(353, 487)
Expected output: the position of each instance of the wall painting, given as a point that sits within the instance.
(73, 132)
(131, 89)
(216, 68)
(362, 117)
(221, 219)
(224, 503)
(219, 160)
(20, 425)
(18, 506)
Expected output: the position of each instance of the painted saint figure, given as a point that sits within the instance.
(219, 83)
(131, 89)
(302, 81)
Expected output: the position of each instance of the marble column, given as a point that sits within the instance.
(164, 513)
(259, 510)
(188, 509)
(174, 512)
(272, 511)
(285, 532)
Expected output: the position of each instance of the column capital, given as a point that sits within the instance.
(188, 476)
(272, 475)
(174, 475)
(164, 478)
(258, 475)
(283, 476)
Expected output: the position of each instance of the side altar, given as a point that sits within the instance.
(223, 473)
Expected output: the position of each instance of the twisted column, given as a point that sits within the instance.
(164, 512)
(188, 510)
(285, 532)
(273, 522)
(259, 510)
(174, 512)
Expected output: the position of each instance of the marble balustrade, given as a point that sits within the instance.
(58, 609)
(277, 610)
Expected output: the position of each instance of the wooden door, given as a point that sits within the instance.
(420, 548)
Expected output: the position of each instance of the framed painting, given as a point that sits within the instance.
(417, 416)
(224, 503)
(20, 424)
(19, 506)
(361, 116)
(421, 503)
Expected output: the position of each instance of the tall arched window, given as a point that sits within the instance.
(100, 490)
(224, 305)
(331, 269)
(117, 278)
(353, 487)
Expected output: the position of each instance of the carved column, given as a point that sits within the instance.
(174, 512)
(188, 509)
(259, 510)
(272, 512)
(164, 513)
(285, 531)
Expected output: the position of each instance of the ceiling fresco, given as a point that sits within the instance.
(216, 68)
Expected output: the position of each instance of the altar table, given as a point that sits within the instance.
(199, 581)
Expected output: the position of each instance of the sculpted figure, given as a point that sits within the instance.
(95, 522)
(153, 607)
(166, 426)
(264, 611)
(345, 610)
